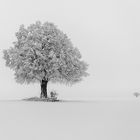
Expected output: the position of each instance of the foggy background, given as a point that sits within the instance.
(106, 33)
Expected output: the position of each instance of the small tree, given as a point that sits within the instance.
(136, 94)
(42, 53)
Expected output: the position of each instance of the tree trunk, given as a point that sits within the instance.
(44, 89)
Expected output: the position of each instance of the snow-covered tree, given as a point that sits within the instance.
(42, 53)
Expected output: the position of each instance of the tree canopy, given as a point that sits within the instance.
(42, 51)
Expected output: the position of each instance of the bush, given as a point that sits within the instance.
(53, 95)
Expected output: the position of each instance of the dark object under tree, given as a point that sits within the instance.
(42, 53)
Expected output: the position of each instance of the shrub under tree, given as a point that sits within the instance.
(42, 53)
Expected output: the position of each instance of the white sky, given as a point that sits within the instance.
(107, 33)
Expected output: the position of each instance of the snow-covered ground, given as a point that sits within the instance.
(94, 120)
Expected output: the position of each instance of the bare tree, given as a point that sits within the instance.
(42, 53)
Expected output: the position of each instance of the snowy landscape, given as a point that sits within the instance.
(78, 63)
(91, 120)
